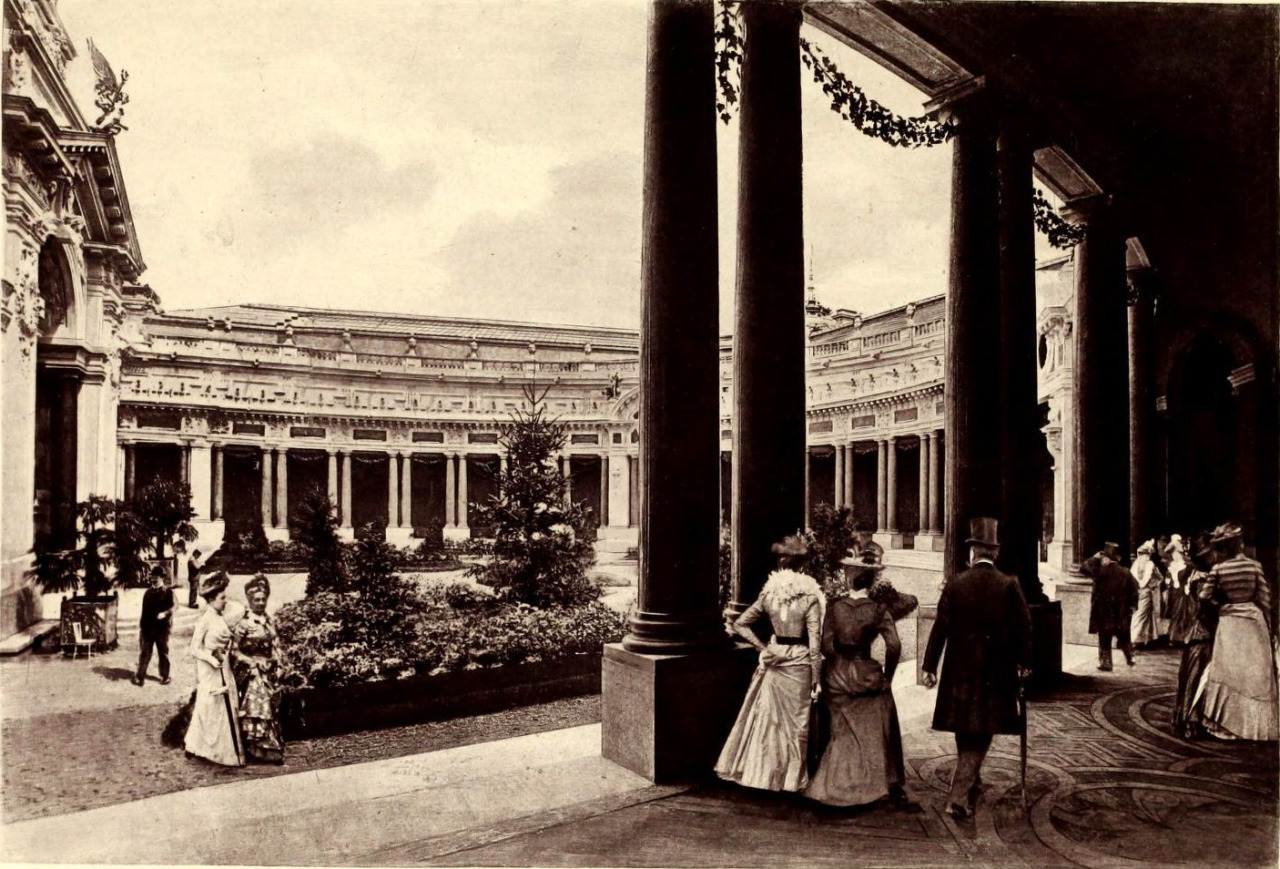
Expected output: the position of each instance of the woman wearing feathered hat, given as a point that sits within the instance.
(768, 746)
(255, 660)
(1239, 685)
(1144, 628)
(214, 732)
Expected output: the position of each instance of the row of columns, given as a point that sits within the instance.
(930, 496)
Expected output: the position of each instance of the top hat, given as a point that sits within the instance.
(1226, 531)
(214, 583)
(1111, 550)
(983, 530)
(793, 545)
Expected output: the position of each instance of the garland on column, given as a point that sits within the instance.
(868, 116)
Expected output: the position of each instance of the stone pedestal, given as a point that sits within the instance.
(1073, 598)
(888, 539)
(666, 717)
(928, 541)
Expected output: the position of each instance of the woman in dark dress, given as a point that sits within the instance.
(1188, 717)
(863, 761)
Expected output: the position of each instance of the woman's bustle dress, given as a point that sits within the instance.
(255, 662)
(1198, 639)
(863, 761)
(1144, 627)
(214, 730)
(1182, 605)
(768, 745)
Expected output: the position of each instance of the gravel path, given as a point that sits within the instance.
(72, 761)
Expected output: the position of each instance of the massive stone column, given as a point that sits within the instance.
(346, 488)
(973, 406)
(201, 471)
(935, 483)
(393, 491)
(464, 515)
(1101, 382)
(1142, 405)
(282, 488)
(1020, 437)
(668, 690)
(891, 491)
(333, 477)
(770, 474)
(849, 453)
(266, 487)
(837, 486)
(882, 485)
(406, 489)
(926, 448)
(450, 489)
(619, 490)
(218, 451)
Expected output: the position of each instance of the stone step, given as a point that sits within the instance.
(28, 637)
(614, 545)
(607, 532)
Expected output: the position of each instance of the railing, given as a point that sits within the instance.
(934, 328)
(829, 349)
(884, 339)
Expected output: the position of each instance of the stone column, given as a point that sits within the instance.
(973, 376)
(849, 453)
(770, 475)
(619, 490)
(935, 484)
(450, 489)
(464, 516)
(566, 471)
(837, 485)
(130, 470)
(1020, 441)
(1101, 382)
(201, 491)
(393, 491)
(184, 463)
(118, 490)
(1142, 431)
(926, 447)
(604, 489)
(346, 488)
(282, 488)
(218, 451)
(88, 431)
(266, 487)
(406, 490)
(891, 491)
(333, 477)
(882, 485)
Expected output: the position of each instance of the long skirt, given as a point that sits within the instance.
(214, 730)
(863, 760)
(1144, 627)
(1187, 713)
(1182, 616)
(1239, 685)
(768, 745)
(260, 720)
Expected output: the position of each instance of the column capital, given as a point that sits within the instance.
(345, 451)
(333, 451)
(960, 101)
(1085, 209)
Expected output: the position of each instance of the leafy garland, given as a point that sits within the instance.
(868, 116)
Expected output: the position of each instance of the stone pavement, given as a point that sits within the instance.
(1108, 787)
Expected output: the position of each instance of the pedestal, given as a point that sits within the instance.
(456, 532)
(666, 717)
(888, 539)
(930, 542)
(1073, 598)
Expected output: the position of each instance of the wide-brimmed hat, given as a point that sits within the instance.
(1227, 531)
(793, 545)
(984, 530)
(1201, 547)
(214, 583)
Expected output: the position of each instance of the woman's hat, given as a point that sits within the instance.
(1202, 547)
(1148, 547)
(983, 530)
(214, 583)
(794, 545)
(1227, 531)
(259, 583)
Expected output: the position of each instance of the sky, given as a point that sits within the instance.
(470, 159)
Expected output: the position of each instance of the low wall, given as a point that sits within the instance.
(312, 712)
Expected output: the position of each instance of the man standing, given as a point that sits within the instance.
(193, 578)
(153, 626)
(985, 626)
(1112, 603)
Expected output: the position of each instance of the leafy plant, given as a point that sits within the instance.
(315, 531)
(832, 533)
(165, 513)
(102, 549)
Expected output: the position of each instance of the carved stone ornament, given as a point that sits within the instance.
(22, 304)
(17, 68)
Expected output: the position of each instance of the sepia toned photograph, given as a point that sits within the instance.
(640, 433)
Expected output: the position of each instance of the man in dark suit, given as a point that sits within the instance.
(1111, 604)
(985, 626)
(153, 626)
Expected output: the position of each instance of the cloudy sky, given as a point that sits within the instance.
(477, 158)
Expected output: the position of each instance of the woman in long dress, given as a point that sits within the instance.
(1187, 712)
(1182, 607)
(863, 762)
(214, 732)
(255, 658)
(768, 746)
(1144, 629)
(1239, 685)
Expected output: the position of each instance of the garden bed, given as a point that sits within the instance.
(312, 712)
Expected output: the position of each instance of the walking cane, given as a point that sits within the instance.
(231, 718)
(1022, 736)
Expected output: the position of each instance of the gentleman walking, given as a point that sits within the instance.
(985, 626)
(153, 626)
(193, 578)
(1112, 603)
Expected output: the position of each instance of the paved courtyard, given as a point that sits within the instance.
(1108, 787)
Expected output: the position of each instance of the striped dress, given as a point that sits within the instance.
(1239, 685)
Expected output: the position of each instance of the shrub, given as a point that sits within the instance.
(833, 532)
(315, 531)
(165, 513)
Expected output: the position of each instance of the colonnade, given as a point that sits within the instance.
(888, 484)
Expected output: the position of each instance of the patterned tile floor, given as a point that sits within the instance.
(1108, 786)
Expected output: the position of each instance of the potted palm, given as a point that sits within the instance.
(162, 512)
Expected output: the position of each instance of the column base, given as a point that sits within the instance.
(930, 541)
(1060, 555)
(456, 532)
(400, 536)
(1074, 598)
(666, 717)
(888, 539)
(281, 534)
(347, 533)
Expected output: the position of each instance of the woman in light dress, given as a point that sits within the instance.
(214, 732)
(255, 659)
(1182, 609)
(1239, 684)
(768, 746)
(1144, 628)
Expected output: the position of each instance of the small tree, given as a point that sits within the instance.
(833, 532)
(64, 571)
(165, 512)
(315, 530)
(540, 551)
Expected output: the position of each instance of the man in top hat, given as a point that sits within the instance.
(985, 626)
(154, 624)
(1111, 604)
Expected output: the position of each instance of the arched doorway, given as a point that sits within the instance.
(1203, 428)
(57, 398)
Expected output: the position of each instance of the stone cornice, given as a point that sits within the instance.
(889, 400)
